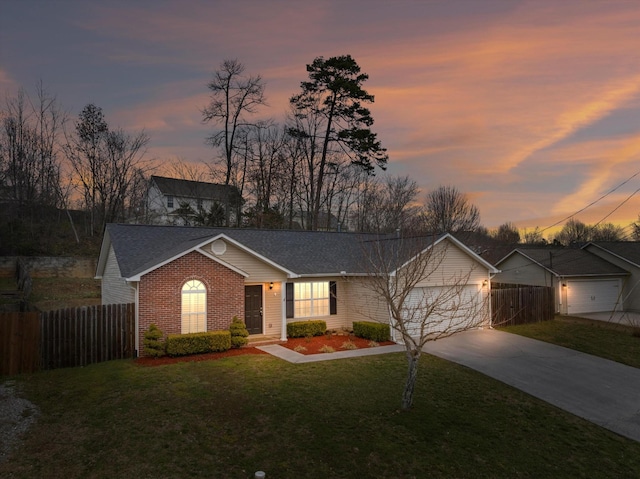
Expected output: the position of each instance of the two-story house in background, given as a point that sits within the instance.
(173, 201)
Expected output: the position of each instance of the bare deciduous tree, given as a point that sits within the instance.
(106, 164)
(507, 233)
(234, 98)
(184, 170)
(574, 231)
(447, 210)
(635, 229)
(533, 237)
(607, 232)
(387, 206)
(29, 159)
(426, 300)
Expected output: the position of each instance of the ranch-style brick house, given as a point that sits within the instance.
(187, 279)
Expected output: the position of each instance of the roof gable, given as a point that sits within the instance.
(628, 251)
(566, 261)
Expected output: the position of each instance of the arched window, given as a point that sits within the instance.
(194, 307)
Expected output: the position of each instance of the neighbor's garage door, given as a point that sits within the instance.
(592, 296)
(448, 309)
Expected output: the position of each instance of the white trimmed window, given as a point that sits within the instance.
(311, 299)
(194, 307)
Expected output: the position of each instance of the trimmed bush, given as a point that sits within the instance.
(302, 329)
(153, 343)
(198, 343)
(238, 332)
(371, 330)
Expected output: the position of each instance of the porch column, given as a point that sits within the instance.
(283, 311)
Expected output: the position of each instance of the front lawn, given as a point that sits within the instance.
(335, 419)
(600, 338)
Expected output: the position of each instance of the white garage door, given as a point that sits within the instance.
(446, 309)
(592, 296)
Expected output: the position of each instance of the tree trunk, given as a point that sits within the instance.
(413, 356)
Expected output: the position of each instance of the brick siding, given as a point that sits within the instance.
(160, 294)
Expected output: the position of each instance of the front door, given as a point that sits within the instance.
(253, 309)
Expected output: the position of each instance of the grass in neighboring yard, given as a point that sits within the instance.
(335, 419)
(55, 293)
(8, 285)
(607, 340)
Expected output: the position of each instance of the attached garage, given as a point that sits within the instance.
(592, 296)
(449, 309)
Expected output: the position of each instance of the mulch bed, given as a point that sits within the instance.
(337, 342)
(311, 345)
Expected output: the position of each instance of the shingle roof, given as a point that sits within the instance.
(141, 247)
(628, 250)
(570, 261)
(193, 189)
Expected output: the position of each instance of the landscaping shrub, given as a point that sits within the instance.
(197, 343)
(239, 333)
(301, 329)
(371, 330)
(153, 343)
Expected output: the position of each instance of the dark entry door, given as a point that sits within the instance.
(253, 309)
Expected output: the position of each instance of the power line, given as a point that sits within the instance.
(596, 201)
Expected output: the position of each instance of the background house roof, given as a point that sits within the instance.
(628, 250)
(194, 189)
(141, 247)
(568, 261)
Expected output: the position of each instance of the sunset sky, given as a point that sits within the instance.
(532, 108)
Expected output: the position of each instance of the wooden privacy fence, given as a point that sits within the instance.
(19, 342)
(66, 337)
(519, 304)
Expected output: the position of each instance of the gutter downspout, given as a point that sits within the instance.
(134, 286)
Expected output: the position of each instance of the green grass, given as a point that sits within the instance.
(334, 419)
(56, 293)
(606, 340)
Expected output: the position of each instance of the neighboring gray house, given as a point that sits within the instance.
(583, 282)
(187, 279)
(626, 255)
(183, 202)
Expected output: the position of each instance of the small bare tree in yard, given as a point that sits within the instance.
(426, 300)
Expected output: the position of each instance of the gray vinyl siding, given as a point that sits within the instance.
(272, 299)
(258, 270)
(520, 270)
(115, 290)
(363, 304)
(456, 266)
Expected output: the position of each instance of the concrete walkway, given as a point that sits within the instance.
(294, 357)
(601, 391)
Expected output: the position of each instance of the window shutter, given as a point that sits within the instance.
(289, 299)
(333, 298)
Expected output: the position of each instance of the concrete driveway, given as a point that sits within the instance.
(601, 391)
